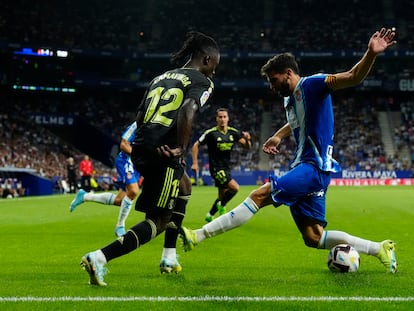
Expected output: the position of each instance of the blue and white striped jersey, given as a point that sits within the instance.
(310, 115)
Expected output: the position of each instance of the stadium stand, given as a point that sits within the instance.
(112, 52)
(259, 26)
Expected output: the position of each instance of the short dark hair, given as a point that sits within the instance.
(196, 44)
(221, 110)
(279, 63)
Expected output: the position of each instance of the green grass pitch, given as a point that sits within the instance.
(262, 265)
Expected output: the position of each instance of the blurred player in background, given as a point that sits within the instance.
(164, 120)
(127, 181)
(308, 105)
(220, 141)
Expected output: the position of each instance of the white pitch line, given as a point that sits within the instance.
(204, 298)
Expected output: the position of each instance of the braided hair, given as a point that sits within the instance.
(197, 44)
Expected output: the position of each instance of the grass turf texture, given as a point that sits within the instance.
(262, 265)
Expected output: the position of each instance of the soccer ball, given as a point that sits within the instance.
(343, 258)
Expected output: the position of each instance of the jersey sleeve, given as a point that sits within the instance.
(203, 139)
(235, 133)
(317, 83)
(238, 134)
(129, 134)
(201, 90)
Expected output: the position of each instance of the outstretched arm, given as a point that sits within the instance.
(378, 43)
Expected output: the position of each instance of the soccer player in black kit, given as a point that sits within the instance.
(220, 141)
(165, 117)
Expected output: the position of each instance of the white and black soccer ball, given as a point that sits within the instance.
(343, 258)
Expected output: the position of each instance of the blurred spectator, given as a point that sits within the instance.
(86, 170)
(259, 26)
(241, 27)
(11, 188)
(71, 175)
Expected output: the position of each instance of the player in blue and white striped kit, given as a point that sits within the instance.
(127, 182)
(309, 112)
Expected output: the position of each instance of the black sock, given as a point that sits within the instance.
(136, 236)
(171, 232)
(214, 208)
(228, 195)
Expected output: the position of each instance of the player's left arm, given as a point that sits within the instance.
(246, 140)
(185, 120)
(377, 44)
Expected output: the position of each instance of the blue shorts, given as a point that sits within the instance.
(303, 189)
(126, 172)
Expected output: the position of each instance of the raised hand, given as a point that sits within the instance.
(381, 40)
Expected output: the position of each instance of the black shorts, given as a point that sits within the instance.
(161, 181)
(221, 177)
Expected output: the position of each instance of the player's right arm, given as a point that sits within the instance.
(270, 146)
